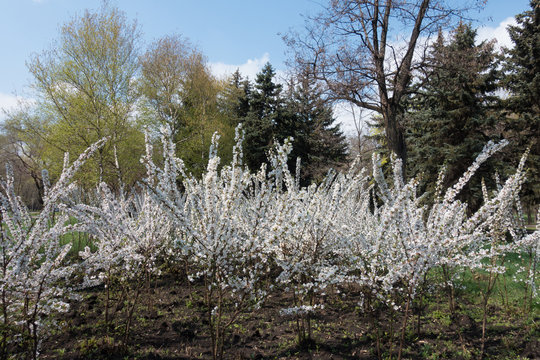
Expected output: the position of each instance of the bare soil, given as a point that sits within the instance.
(169, 323)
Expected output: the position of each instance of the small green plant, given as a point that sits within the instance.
(61, 352)
(441, 317)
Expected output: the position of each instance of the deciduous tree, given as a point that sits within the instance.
(366, 52)
(180, 92)
(85, 86)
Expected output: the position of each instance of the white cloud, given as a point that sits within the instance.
(498, 33)
(10, 102)
(352, 119)
(248, 69)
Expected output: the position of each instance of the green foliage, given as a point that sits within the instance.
(301, 113)
(235, 99)
(84, 85)
(522, 79)
(451, 117)
(179, 91)
(318, 140)
(266, 111)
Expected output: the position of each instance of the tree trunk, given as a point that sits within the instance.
(395, 134)
(39, 186)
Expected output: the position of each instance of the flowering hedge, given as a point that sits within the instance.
(242, 234)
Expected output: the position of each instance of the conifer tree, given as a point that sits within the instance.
(236, 98)
(450, 117)
(318, 140)
(522, 79)
(265, 110)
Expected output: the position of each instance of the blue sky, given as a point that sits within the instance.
(231, 33)
(227, 31)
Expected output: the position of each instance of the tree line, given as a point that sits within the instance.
(437, 95)
(96, 81)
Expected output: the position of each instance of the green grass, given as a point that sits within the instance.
(509, 289)
(78, 240)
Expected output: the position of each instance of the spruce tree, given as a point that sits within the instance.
(264, 115)
(318, 140)
(450, 118)
(235, 99)
(522, 80)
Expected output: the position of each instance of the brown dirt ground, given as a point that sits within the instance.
(170, 325)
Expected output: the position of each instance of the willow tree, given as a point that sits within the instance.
(85, 88)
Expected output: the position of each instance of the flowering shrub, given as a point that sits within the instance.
(408, 240)
(241, 233)
(308, 234)
(218, 221)
(130, 234)
(344, 230)
(33, 270)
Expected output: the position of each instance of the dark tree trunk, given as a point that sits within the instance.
(39, 186)
(395, 134)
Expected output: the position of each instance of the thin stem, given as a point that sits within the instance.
(130, 315)
(404, 325)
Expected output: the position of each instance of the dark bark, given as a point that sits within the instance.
(39, 186)
(346, 47)
(395, 134)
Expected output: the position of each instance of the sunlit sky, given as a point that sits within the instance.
(232, 34)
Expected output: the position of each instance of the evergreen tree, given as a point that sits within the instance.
(304, 115)
(450, 117)
(522, 79)
(236, 98)
(264, 115)
(318, 140)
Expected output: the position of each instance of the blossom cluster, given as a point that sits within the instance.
(350, 228)
(33, 274)
(241, 233)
